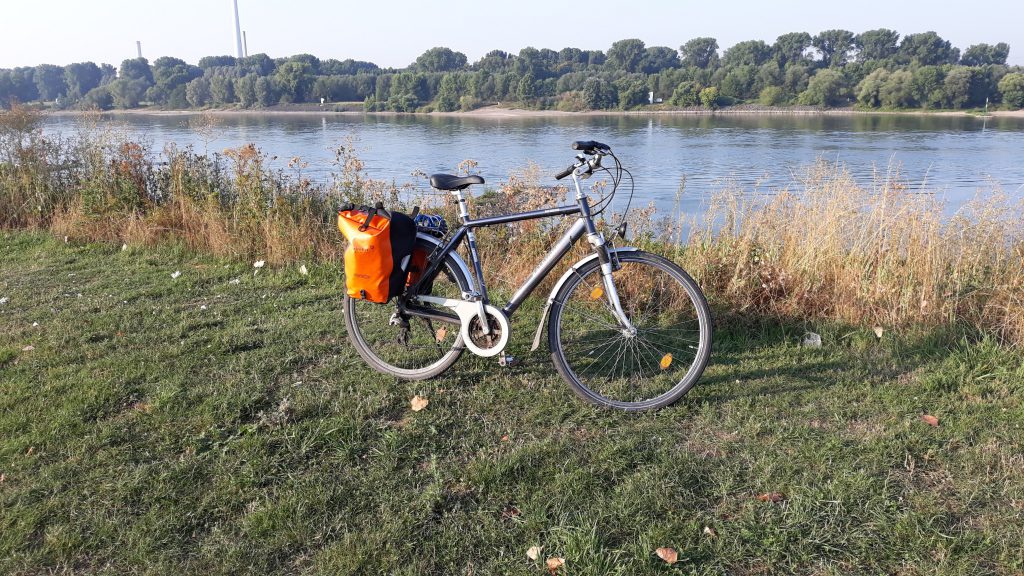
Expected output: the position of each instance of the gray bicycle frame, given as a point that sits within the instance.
(478, 289)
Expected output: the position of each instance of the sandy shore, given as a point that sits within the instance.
(498, 112)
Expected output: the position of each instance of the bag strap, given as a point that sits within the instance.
(369, 216)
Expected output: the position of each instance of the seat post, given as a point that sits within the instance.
(463, 208)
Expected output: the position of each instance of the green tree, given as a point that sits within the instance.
(795, 79)
(198, 92)
(599, 94)
(927, 48)
(700, 53)
(658, 58)
(293, 80)
(527, 88)
(834, 46)
(266, 91)
(222, 90)
(740, 83)
(440, 59)
(98, 99)
(958, 86)
(169, 74)
(748, 53)
(898, 90)
(709, 97)
(207, 62)
(127, 93)
(771, 96)
(50, 81)
(1012, 89)
(258, 64)
(632, 93)
(869, 91)
(826, 88)
(984, 55)
(686, 94)
(880, 44)
(80, 78)
(928, 86)
(627, 55)
(448, 94)
(791, 48)
(136, 69)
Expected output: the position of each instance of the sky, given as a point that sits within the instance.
(392, 33)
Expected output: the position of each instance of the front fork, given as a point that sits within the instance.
(609, 264)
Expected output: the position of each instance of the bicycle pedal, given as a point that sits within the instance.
(508, 360)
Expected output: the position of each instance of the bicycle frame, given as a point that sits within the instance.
(584, 225)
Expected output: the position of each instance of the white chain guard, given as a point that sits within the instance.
(466, 311)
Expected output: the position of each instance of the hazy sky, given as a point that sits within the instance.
(395, 32)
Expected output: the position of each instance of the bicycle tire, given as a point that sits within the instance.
(378, 342)
(643, 279)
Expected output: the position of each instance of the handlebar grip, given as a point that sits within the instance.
(565, 172)
(590, 146)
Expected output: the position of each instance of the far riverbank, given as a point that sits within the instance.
(499, 112)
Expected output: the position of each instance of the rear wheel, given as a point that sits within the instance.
(410, 347)
(615, 368)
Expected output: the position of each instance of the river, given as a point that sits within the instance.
(951, 156)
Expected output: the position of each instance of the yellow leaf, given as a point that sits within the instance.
(772, 497)
(710, 532)
(418, 403)
(669, 555)
(440, 334)
(879, 331)
(596, 293)
(554, 564)
(930, 420)
(534, 552)
(666, 361)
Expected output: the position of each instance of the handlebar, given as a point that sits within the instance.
(590, 146)
(565, 172)
(587, 147)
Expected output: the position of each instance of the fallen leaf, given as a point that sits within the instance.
(879, 331)
(418, 403)
(28, 348)
(772, 497)
(596, 293)
(440, 334)
(124, 247)
(510, 511)
(504, 438)
(554, 564)
(4, 300)
(533, 552)
(303, 270)
(30, 450)
(235, 281)
(666, 361)
(175, 274)
(259, 264)
(930, 420)
(35, 324)
(669, 555)
(710, 532)
(3, 478)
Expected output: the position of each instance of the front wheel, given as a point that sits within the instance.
(648, 368)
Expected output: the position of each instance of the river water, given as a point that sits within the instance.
(952, 156)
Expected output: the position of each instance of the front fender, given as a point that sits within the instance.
(558, 286)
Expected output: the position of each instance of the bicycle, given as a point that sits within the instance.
(627, 329)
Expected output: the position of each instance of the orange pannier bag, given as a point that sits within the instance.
(379, 248)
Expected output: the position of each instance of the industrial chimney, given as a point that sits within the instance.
(238, 33)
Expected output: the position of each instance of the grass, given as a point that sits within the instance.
(197, 425)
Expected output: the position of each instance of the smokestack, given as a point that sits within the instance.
(245, 43)
(138, 46)
(238, 32)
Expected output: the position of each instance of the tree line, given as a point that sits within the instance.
(835, 68)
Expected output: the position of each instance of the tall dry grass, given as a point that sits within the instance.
(827, 248)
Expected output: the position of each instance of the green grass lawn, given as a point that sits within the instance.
(204, 426)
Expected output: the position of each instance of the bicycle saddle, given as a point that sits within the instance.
(449, 182)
